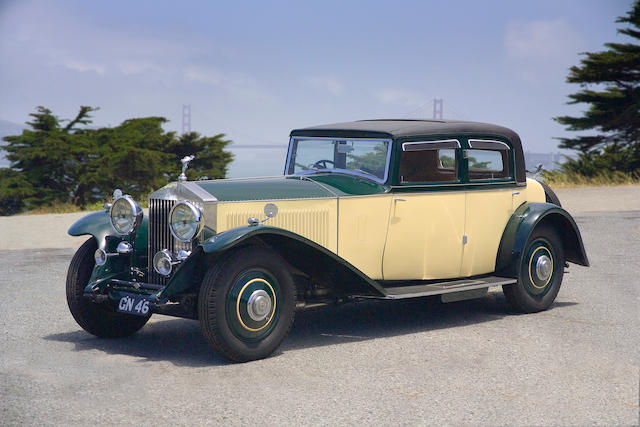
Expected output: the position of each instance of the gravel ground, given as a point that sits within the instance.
(402, 362)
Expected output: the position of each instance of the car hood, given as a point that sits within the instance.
(317, 186)
(278, 188)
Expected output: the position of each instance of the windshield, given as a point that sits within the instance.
(364, 157)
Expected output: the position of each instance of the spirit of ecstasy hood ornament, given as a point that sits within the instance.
(185, 164)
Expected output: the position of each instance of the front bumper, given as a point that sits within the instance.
(108, 292)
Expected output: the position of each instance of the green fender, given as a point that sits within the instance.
(298, 251)
(522, 223)
(97, 225)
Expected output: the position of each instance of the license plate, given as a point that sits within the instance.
(134, 304)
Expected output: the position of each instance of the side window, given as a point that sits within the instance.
(488, 160)
(429, 162)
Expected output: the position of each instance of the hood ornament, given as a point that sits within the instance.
(185, 164)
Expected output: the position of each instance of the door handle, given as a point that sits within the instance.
(515, 193)
(399, 199)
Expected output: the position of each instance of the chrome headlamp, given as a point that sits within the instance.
(185, 221)
(125, 215)
(163, 262)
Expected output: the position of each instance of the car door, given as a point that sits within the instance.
(491, 198)
(426, 218)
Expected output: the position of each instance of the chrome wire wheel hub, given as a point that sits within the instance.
(259, 305)
(543, 267)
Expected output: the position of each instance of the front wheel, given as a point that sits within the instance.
(92, 317)
(246, 304)
(540, 273)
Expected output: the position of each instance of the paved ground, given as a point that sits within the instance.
(405, 362)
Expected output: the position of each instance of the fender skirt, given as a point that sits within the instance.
(522, 223)
(298, 251)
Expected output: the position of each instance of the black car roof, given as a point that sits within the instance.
(406, 128)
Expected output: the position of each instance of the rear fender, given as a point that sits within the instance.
(300, 252)
(522, 223)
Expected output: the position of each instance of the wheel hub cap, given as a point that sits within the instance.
(259, 305)
(543, 267)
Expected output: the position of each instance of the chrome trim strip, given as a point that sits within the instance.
(488, 144)
(431, 145)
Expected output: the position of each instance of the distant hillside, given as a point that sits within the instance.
(8, 128)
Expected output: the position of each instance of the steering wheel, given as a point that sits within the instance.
(322, 164)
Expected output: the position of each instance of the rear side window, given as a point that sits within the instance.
(429, 162)
(488, 160)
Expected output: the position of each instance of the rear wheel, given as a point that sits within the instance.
(246, 304)
(92, 317)
(540, 273)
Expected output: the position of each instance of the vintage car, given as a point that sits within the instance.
(374, 209)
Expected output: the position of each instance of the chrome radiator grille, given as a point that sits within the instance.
(160, 236)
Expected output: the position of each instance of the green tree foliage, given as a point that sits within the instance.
(64, 161)
(475, 164)
(15, 191)
(372, 162)
(211, 160)
(448, 162)
(610, 84)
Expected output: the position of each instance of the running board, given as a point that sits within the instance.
(439, 288)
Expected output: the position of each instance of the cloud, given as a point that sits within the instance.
(216, 77)
(326, 83)
(114, 66)
(202, 74)
(236, 84)
(129, 67)
(541, 41)
(83, 66)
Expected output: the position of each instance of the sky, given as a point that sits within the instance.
(256, 70)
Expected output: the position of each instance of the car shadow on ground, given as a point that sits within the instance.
(180, 342)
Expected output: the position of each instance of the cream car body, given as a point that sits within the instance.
(378, 209)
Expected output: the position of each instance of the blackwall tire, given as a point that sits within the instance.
(535, 291)
(246, 304)
(91, 317)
